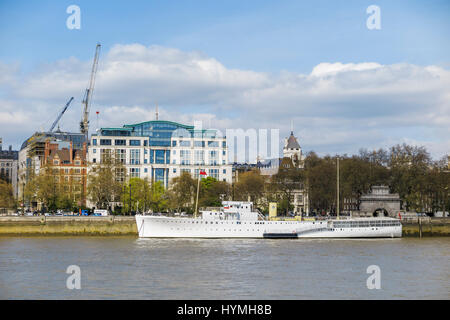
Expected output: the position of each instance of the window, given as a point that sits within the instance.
(185, 156)
(135, 142)
(134, 172)
(224, 171)
(56, 162)
(105, 142)
(120, 142)
(167, 156)
(174, 170)
(159, 155)
(199, 157)
(174, 143)
(213, 144)
(94, 150)
(120, 155)
(200, 144)
(186, 170)
(214, 173)
(224, 144)
(185, 143)
(135, 156)
(213, 157)
(105, 154)
(77, 162)
(94, 142)
(145, 170)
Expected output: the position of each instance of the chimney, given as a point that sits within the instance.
(46, 151)
(71, 152)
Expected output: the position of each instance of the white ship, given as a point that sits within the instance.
(237, 219)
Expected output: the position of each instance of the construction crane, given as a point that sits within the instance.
(60, 115)
(84, 124)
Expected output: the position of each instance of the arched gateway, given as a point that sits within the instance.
(380, 202)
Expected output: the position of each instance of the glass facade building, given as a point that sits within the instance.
(162, 150)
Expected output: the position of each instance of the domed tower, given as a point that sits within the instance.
(293, 150)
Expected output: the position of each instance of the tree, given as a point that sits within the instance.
(212, 192)
(105, 182)
(250, 187)
(409, 166)
(182, 193)
(158, 199)
(285, 181)
(6, 195)
(321, 182)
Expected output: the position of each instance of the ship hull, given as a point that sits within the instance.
(169, 227)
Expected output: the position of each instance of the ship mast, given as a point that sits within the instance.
(337, 188)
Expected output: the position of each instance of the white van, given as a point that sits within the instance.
(101, 212)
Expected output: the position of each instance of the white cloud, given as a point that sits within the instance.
(338, 107)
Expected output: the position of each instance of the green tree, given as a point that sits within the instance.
(6, 195)
(320, 176)
(181, 194)
(250, 187)
(105, 182)
(158, 200)
(212, 192)
(285, 181)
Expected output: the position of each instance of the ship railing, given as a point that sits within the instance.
(260, 215)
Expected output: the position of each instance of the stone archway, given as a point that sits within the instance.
(380, 212)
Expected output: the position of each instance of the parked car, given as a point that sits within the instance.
(101, 212)
(421, 214)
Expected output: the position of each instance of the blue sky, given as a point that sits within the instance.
(258, 35)
(270, 38)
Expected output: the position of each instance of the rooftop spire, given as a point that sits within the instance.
(156, 112)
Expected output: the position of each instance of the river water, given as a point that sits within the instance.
(132, 268)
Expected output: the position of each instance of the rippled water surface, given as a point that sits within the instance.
(132, 268)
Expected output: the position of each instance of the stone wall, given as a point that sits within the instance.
(59, 226)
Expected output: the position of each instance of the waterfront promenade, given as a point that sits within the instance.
(126, 226)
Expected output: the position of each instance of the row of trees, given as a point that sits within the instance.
(422, 183)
